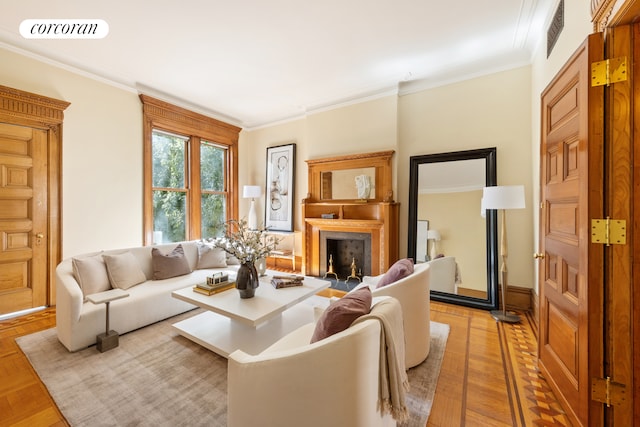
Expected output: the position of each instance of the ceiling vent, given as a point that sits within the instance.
(555, 27)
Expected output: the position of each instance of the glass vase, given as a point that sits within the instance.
(261, 266)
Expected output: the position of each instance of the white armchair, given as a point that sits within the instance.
(443, 274)
(332, 382)
(413, 293)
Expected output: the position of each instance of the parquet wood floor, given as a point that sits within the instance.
(489, 374)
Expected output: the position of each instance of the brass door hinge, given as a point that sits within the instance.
(609, 71)
(604, 390)
(609, 231)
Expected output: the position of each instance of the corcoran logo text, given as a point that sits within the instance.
(64, 28)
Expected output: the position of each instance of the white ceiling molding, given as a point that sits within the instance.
(273, 62)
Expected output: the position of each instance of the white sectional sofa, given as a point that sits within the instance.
(78, 321)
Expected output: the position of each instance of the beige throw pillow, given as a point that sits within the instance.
(169, 265)
(211, 257)
(91, 274)
(123, 270)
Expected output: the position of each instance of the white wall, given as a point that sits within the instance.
(101, 154)
(366, 127)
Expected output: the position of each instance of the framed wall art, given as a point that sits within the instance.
(281, 161)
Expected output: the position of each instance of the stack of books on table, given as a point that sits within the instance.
(213, 288)
(286, 281)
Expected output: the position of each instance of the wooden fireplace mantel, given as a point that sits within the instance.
(377, 216)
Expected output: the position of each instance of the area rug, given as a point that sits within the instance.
(159, 378)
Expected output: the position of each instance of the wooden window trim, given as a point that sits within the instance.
(162, 115)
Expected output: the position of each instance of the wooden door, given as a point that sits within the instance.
(30, 210)
(570, 279)
(23, 218)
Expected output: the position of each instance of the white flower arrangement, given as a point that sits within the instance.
(243, 243)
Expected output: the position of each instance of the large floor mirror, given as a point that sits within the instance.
(448, 229)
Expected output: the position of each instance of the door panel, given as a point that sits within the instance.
(570, 147)
(23, 218)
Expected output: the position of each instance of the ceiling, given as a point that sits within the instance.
(452, 177)
(254, 62)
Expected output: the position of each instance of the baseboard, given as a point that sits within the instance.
(518, 298)
(535, 307)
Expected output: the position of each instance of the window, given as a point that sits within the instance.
(190, 173)
(170, 171)
(170, 190)
(213, 197)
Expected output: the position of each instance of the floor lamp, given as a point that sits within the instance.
(252, 192)
(503, 198)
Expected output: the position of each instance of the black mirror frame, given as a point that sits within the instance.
(489, 154)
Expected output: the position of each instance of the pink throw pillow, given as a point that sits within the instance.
(342, 313)
(401, 268)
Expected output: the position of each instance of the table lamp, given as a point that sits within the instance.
(434, 236)
(252, 192)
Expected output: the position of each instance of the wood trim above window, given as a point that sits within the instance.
(189, 122)
(163, 115)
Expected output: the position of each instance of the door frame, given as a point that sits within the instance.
(623, 262)
(621, 179)
(616, 18)
(22, 108)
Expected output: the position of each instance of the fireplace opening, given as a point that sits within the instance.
(345, 249)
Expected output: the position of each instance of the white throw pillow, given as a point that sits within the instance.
(91, 274)
(123, 270)
(211, 257)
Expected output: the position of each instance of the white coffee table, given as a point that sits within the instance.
(231, 323)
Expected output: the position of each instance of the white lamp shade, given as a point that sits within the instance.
(503, 197)
(251, 191)
(433, 235)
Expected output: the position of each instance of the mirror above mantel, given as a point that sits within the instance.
(343, 184)
(364, 177)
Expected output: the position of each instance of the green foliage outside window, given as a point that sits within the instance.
(212, 180)
(169, 170)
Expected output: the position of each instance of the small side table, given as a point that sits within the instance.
(109, 339)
